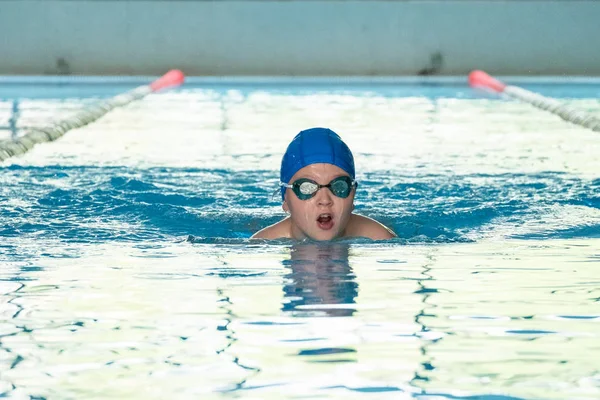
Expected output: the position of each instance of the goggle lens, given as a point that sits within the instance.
(308, 188)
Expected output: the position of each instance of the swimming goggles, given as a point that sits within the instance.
(307, 188)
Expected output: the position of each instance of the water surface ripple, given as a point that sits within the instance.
(126, 269)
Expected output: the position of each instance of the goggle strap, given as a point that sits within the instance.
(275, 194)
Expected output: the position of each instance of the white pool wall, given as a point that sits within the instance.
(299, 37)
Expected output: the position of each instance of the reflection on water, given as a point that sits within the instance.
(320, 280)
(203, 321)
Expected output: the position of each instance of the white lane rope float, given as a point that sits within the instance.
(481, 79)
(24, 143)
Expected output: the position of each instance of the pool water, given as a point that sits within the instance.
(126, 269)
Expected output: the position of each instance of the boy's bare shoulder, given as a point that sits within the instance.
(278, 230)
(361, 226)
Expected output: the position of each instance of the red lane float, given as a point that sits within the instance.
(172, 78)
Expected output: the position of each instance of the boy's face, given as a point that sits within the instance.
(324, 216)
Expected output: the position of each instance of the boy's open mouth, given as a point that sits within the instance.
(325, 221)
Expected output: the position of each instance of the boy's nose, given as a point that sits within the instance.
(324, 197)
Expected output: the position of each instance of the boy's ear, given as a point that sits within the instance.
(285, 207)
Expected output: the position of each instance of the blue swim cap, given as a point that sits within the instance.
(312, 146)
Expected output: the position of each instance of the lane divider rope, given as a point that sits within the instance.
(480, 79)
(20, 145)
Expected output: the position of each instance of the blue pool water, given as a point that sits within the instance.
(126, 269)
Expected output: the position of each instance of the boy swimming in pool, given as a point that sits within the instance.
(317, 188)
